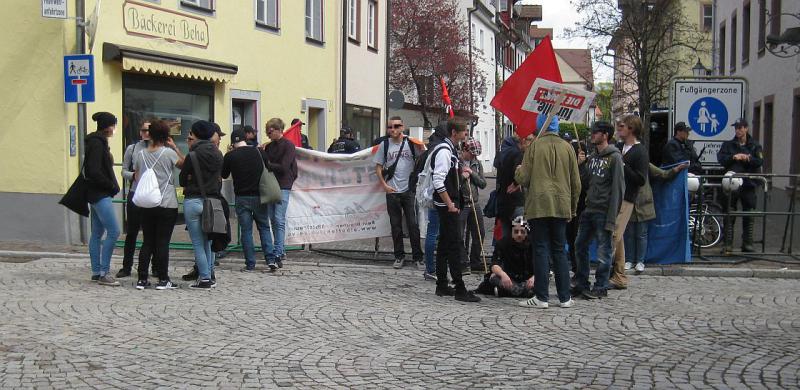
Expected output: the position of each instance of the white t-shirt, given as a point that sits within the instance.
(404, 167)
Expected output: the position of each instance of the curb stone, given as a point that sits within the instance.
(759, 273)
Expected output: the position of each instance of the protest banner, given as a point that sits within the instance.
(545, 95)
(336, 197)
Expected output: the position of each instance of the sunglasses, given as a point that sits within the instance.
(396, 126)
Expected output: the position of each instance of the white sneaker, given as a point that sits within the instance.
(628, 266)
(566, 304)
(639, 267)
(398, 263)
(535, 303)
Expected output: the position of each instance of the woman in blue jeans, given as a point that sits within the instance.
(206, 159)
(98, 169)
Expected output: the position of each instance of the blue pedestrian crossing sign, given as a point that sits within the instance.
(708, 116)
(79, 78)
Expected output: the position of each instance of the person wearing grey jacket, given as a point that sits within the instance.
(132, 211)
(603, 178)
(471, 217)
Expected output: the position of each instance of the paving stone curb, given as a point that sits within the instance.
(688, 271)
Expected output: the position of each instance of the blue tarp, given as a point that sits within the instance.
(668, 234)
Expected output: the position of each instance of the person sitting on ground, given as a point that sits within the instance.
(511, 274)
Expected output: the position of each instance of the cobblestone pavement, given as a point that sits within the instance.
(374, 327)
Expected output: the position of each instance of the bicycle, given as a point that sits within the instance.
(708, 232)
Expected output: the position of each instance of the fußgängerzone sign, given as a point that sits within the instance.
(709, 106)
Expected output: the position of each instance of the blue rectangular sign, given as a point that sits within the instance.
(79, 78)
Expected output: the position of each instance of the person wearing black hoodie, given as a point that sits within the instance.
(637, 167)
(510, 198)
(206, 158)
(98, 169)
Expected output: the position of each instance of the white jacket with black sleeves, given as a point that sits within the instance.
(445, 174)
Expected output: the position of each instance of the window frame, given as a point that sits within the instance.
(704, 17)
(734, 37)
(354, 21)
(746, 16)
(194, 4)
(762, 27)
(775, 18)
(373, 12)
(309, 14)
(723, 50)
(264, 23)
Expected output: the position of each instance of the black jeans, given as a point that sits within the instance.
(549, 238)
(746, 196)
(157, 226)
(449, 249)
(473, 234)
(132, 225)
(400, 205)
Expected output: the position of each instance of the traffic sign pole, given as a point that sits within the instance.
(80, 31)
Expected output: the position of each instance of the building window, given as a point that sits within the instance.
(204, 5)
(314, 21)
(267, 13)
(794, 168)
(354, 19)
(480, 41)
(502, 6)
(734, 28)
(722, 48)
(708, 17)
(762, 26)
(756, 125)
(372, 24)
(365, 122)
(768, 130)
(745, 34)
(775, 18)
(491, 44)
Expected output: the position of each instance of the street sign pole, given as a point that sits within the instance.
(80, 31)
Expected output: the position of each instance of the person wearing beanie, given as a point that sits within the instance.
(549, 173)
(205, 157)
(246, 164)
(98, 169)
(346, 144)
(471, 217)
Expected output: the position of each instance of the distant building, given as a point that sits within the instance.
(576, 71)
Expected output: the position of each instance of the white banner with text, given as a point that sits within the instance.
(336, 197)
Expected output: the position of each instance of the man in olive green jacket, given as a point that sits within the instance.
(549, 173)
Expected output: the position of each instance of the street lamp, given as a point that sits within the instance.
(699, 70)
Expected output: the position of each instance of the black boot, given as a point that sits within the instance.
(727, 246)
(747, 235)
(192, 275)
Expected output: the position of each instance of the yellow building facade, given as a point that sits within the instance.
(233, 62)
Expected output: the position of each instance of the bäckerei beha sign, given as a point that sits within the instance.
(146, 20)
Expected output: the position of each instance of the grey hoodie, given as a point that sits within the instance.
(603, 178)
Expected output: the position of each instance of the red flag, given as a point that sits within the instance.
(448, 104)
(511, 96)
(293, 134)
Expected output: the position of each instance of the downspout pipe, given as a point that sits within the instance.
(386, 75)
(471, 65)
(80, 48)
(345, 20)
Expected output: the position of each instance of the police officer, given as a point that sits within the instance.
(742, 154)
(345, 144)
(679, 149)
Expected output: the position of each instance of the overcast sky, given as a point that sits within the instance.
(559, 15)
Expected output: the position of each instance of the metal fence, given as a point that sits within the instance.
(706, 211)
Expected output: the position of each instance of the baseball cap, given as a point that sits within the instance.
(237, 135)
(346, 130)
(295, 120)
(741, 122)
(248, 129)
(681, 126)
(603, 126)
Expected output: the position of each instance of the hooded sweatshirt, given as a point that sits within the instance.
(602, 176)
(207, 158)
(506, 163)
(98, 168)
